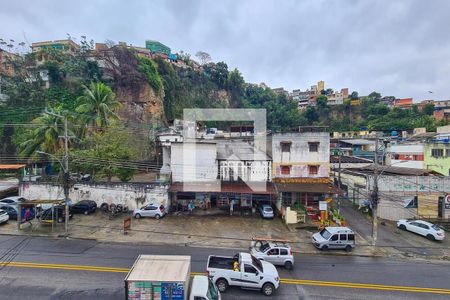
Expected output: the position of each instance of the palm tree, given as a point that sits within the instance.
(98, 105)
(44, 137)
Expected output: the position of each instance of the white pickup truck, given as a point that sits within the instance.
(243, 270)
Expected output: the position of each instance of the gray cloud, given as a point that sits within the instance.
(398, 47)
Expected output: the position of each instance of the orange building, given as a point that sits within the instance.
(403, 103)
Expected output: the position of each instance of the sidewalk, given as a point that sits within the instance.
(233, 232)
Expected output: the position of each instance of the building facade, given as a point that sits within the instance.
(406, 156)
(301, 168)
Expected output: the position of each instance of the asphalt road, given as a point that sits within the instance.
(43, 268)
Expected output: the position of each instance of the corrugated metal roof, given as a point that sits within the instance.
(358, 142)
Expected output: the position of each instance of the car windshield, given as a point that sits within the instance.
(325, 234)
(268, 209)
(257, 263)
(435, 227)
(264, 247)
(212, 293)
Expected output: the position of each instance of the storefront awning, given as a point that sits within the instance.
(263, 188)
(321, 188)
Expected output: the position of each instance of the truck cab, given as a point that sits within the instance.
(243, 270)
(202, 288)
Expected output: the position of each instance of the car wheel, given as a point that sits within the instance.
(402, 227)
(222, 285)
(86, 212)
(288, 265)
(268, 289)
(324, 248)
(157, 217)
(430, 237)
(137, 216)
(348, 248)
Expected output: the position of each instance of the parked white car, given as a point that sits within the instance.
(427, 229)
(4, 217)
(150, 210)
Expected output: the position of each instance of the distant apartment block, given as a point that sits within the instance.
(63, 45)
(308, 97)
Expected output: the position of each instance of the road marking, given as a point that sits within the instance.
(352, 285)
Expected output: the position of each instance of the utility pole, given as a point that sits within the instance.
(66, 177)
(339, 182)
(374, 197)
(65, 166)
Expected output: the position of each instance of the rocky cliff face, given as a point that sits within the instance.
(140, 104)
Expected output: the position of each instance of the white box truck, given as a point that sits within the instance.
(167, 277)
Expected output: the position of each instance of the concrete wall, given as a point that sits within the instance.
(193, 162)
(299, 156)
(131, 195)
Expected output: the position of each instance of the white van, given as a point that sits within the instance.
(334, 238)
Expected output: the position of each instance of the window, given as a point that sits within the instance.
(447, 152)
(313, 147)
(313, 170)
(342, 237)
(424, 226)
(249, 269)
(351, 237)
(285, 146)
(334, 237)
(283, 252)
(285, 170)
(437, 152)
(150, 208)
(273, 252)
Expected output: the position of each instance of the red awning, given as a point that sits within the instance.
(264, 188)
(11, 167)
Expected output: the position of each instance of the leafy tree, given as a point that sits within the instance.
(236, 85)
(44, 136)
(428, 109)
(218, 73)
(150, 69)
(374, 96)
(98, 105)
(108, 153)
(203, 57)
(354, 95)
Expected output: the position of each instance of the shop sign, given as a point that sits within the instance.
(447, 202)
(323, 205)
(302, 180)
(126, 224)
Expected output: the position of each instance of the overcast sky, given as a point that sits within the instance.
(399, 47)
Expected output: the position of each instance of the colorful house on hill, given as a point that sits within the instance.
(403, 103)
(157, 47)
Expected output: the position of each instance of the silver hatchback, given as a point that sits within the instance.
(150, 210)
